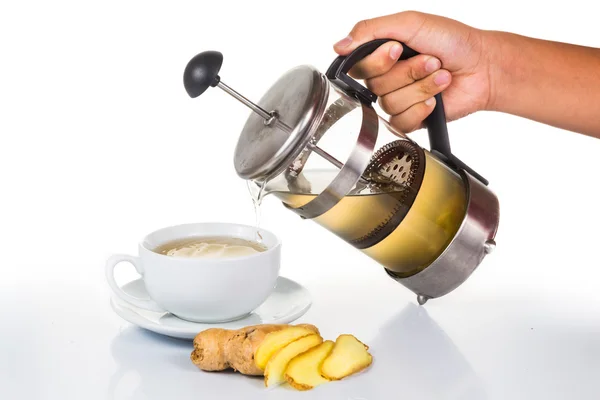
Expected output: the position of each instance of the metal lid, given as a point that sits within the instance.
(265, 149)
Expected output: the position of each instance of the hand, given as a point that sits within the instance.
(452, 60)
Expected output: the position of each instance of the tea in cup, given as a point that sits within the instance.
(203, 272)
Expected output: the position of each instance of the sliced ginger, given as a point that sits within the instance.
(293, 353)
(276, 340)
(347, 357)
(217, 349)
(276, 367)
(304, 371)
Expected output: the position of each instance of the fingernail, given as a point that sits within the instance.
(395, 51)
(345, 42)
(430, 101)
(442, 78)
(433, 64)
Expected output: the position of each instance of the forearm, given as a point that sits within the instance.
(553, 83)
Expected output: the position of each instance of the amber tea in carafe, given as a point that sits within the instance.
(403, 227)
(424, 215)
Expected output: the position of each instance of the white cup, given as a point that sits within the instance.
(205, 290)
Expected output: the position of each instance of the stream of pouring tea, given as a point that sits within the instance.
(257, 191)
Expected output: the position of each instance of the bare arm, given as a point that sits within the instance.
(550, 82)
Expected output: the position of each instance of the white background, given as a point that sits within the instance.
(101, 144)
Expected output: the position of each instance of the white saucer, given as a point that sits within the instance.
(288, 302)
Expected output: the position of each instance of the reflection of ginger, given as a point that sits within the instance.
(293, 353)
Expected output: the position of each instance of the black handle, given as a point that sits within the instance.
(201, 72)
(437, 128)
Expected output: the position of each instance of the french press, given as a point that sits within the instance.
(425, 216)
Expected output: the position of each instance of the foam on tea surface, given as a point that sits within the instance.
(222, 247)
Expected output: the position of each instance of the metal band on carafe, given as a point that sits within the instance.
(350, 172)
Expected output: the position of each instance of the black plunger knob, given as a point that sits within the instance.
(201, 72)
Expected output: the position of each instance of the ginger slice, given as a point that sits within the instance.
(275, 369)
(274, 341)
(349, 356)
(304, 371)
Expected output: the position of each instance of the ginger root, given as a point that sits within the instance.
(304, 371)
(296, 354)
(275, 370)
(275, 341)
(348, 357)
(218, 349)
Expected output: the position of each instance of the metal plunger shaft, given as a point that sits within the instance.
(255, 107)
(269, 117)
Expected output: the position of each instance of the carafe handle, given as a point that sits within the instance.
(435, 122)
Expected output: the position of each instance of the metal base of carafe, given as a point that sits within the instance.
(472, 242)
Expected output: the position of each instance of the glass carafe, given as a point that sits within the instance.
(404, 224)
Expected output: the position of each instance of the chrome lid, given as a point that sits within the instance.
(297, 101)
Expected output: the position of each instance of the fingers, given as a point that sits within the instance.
(406, 88)
(401, 26)
(412, 119)
(409, 105)
(377, 63)
(403, 73)
(402, 99)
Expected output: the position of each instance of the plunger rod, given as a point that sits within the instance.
(331, 159)
(271, 117)
(254, 107)
(326, 155)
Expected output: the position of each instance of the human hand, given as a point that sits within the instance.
(452, 60)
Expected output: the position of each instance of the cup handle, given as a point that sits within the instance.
(111, 263)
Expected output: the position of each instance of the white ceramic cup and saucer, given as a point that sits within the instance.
(180, 296)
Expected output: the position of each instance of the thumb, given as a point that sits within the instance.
(402, 27)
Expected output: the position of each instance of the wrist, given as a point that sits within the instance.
(502, 63)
